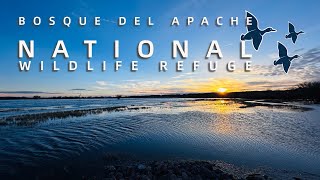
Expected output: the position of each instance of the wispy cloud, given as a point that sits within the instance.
(185, 75)
(22, 92)
(27, 92)
(101, 83)
(109, 21)
(305, 68)
(79, 89)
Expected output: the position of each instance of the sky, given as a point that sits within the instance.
(148, 80)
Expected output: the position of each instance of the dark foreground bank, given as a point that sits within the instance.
(172, 170)
(126, 167)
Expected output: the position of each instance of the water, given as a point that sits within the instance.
(245, 133)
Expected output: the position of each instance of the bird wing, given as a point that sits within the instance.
(286, 65)
(291, 28)
(256, 41)
(294, 38)
(282, 50)
(254, 22)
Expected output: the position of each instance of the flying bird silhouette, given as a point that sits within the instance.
(285, 60)
(292, 33)
(254, 33)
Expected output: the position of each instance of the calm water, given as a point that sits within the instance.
(277, 135)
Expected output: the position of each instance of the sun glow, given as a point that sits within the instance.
(222, 90)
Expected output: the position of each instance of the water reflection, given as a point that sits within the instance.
(280, 135)
(18, 116)
(219, 106)
(221, 109)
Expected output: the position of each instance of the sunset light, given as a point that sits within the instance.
(222, 90)
(142, 89)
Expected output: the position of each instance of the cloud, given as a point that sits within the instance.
(306, 68)
(184, 75)
(109, 21)
(263, 77)
(101, 83)
(298, 50)
(273, 55)
(22, 92)
(133, 87)
(26, 92)
(79, 89)
(258, 82)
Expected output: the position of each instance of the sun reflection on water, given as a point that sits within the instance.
(219, 106)
(226, 114)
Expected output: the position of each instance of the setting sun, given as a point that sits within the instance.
(222, 90)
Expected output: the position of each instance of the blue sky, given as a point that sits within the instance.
(148, 80)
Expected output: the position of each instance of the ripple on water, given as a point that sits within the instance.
(211, 129)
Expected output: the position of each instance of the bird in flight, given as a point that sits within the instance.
(292, 33)
(254, 33)
(285, 60)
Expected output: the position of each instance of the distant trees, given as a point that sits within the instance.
(303, 91)
(309, 86)
(36, 97)
(308, 90)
